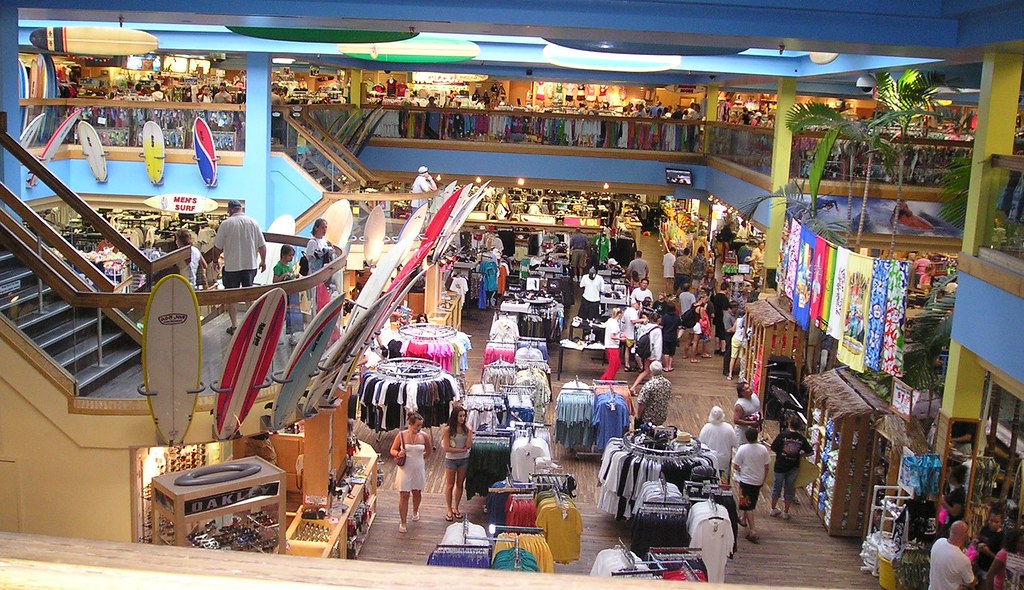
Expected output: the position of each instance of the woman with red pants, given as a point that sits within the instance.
(612, 335)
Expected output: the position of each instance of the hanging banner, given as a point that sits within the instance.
(792, 257)
(895, 316)
(835, 317)
(805, 268)
(821, 284)
(876, 314)
(858, 291)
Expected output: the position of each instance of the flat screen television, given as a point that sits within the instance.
(679, 176)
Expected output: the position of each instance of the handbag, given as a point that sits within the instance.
(400, 461)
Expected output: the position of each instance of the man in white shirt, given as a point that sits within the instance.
(642, 293)
(950, 569)
(424, 183)
(157, 93)
(668, 271)
(240, 239)
(751, 466)
(630, 316)
(590, 303)
(654, 334)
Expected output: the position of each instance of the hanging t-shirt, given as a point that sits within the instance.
(525, 452)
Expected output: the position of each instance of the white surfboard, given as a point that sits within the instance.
(92, 149)
(339, 223)
(31, 132)
(302, 364)
(284, 224)
(172, 357)
(374, 233)
(55, 141)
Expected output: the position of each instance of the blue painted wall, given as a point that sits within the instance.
(987, 321)
(738, 193)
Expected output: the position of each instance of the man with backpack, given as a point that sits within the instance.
(648, 349)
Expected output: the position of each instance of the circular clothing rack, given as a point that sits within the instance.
(409, 368)
(427, 332)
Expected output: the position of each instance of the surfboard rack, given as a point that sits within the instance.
(266, 384)
(141, 389)
(277, 379)
(202, 388)
(213, 387)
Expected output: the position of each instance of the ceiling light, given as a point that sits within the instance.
(821, 58)
(521, 181)
(608, 62)
(606, 186)
(479, 180)
(284, 61)
(421, 49)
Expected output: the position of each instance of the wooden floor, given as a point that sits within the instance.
(791, 553)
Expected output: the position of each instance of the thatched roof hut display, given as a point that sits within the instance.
(773, 333)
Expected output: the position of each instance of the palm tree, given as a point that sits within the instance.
(955, 183)
(927, 337)
(804, 210)
(907, 100)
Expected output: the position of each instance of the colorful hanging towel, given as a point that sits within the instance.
(895, 315)
(835, 314)
(822, 252)
(854, 329)
(805, 268)
(876, 314)
(792, 257)
(783, 258)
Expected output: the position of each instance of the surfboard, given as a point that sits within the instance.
(247, 362)
(206, 152)
(93, 40)
(411, 230)
(172, 357)
(303, 363)
(339, 224)
(374, 233)
(459, 217)
(31, 131)
(284, 224)
(55, 140)
(154, 151)
(92, 149)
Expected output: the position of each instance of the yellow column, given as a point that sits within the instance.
(710, 112)
(997, 111)
(782, 146)
(355, 80)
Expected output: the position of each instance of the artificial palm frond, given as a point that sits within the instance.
(911, 91)
(812, 115)
(955, 183)
(791, 197)
(927, 337)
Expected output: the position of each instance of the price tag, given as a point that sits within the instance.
(101, 121)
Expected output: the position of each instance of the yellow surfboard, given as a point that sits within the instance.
(154, 151)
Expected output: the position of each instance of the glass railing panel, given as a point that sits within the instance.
(749, 147)
(1006, 234)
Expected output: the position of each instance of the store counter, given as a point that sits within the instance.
(575, 345)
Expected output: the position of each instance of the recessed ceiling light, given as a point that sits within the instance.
(608, 62)
(821, 58)
(479, 180)
(284, 61)
(606, 186)
(521, 181)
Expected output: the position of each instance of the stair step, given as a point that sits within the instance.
(65, 331)
(14, 274)
(48, 312)
(6, 256)
(69, 357)
(25, 295)
(115, 361)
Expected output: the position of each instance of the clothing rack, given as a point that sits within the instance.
(409, 368)
(427, 332)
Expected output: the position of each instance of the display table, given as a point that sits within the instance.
(573, 345)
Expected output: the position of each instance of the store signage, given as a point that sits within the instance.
(904, 398)
(904, 479)
(9, 287)
(218, 501)
(182, 203)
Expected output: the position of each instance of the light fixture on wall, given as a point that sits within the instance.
(605, 186)
(521, 181)
(283, 61)
(479, 180)
(821, 57)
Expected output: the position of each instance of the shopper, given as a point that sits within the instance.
(157, 94)
(642, 292)
(705, 311)
(789, 447)
(989, 541)
(746, 414)
(738, 346)
(699, 268)
(751, 467)
(630, 318)
(950, 569)
(718, 435)
(223, 96)
(652, 402)
(681, 270)
(183, 238)
(456, 440)
(423, 183)
(590, 300)
(951, 504)
(729, 323)
(414, 446)
(649, 353)
(578, 253)
(1013, 543)
(699, 332)
(671, 328)
(721, 302)
(668, 270)
(638, 267)
(284, 270)
(612, 336)
(240, 239)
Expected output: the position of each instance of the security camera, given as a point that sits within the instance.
(712, 77)
(866, 83)
(529, 71)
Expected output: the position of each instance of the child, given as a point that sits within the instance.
(285, 271)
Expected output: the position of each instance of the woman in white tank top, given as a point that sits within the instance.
(456, 440)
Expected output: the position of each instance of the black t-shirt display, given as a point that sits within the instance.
(788, 446)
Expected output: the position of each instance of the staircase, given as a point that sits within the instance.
(87, 344)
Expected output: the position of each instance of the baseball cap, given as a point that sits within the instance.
(423, 170)
(234, 204)
(612, 262)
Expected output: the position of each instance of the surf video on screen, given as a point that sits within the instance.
(678, 176)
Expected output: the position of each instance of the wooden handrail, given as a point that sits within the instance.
(1008, 162)
(510, 113)
(88, 214)
(326, 151)
(346, 154)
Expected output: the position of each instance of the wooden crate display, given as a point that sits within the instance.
(773, 332)
(843, 437)
(244, 514)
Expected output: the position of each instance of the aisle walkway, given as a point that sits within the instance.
(791, 553)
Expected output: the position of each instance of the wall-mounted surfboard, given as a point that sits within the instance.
(284, 224)
(339, 223)
(93, 40)
(374, 234)
(302, 365)
(154, 151)
(247, 362)
(92, 149)
(206, 152)
(30, 134)
(181, 203)
(172, 357)
(55, 140)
